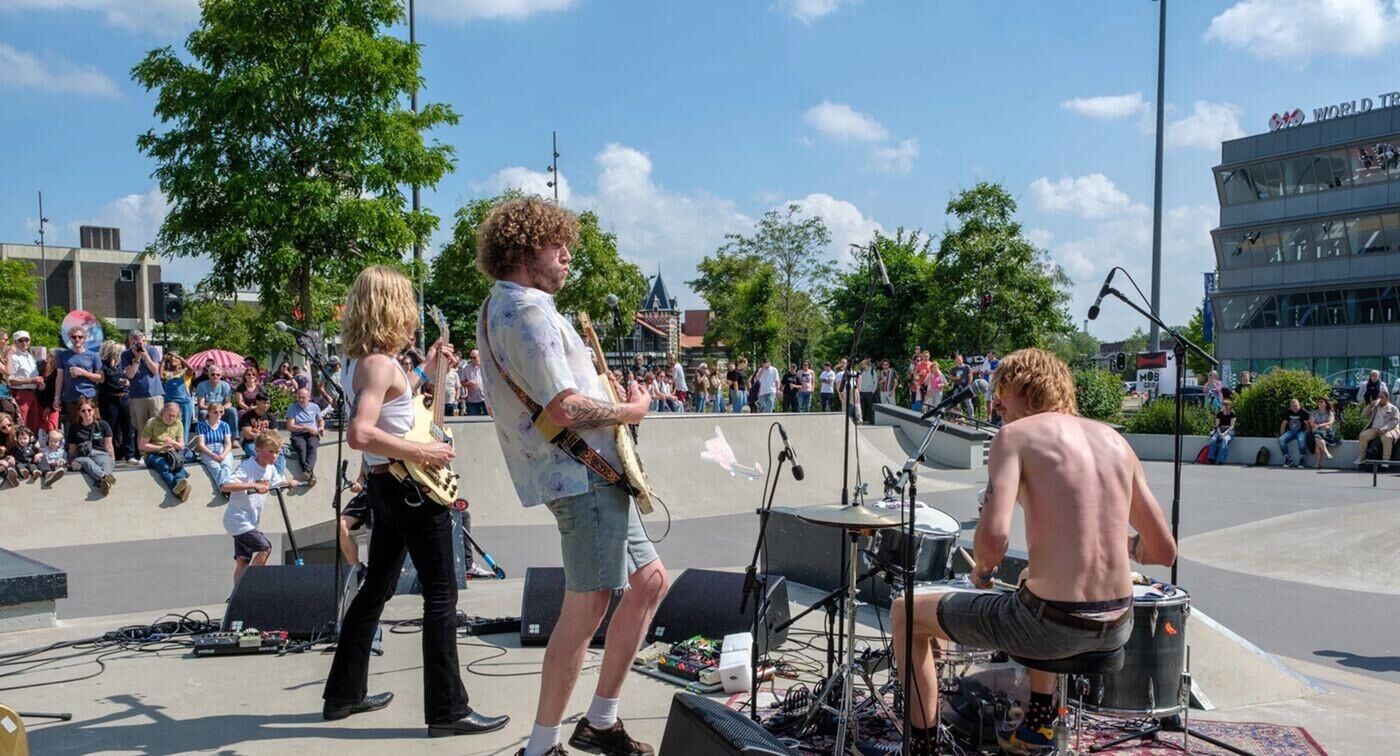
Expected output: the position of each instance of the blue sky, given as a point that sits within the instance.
(680, 121)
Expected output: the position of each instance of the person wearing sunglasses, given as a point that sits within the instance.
(79, 372)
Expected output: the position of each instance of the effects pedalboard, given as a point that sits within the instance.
(240, 642)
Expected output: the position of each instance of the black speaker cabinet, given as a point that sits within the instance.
(698, 726)
(299, 600)
(461, 557)
(706, 602)
(540, 604)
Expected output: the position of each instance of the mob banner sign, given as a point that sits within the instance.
(1207, 319)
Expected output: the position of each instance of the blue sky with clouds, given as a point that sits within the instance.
(680, 121)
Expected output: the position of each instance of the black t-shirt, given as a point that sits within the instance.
(1297, 419)
(736, 376)
(45, 394)
(251, 417)
(1223, 419)
(790, 384)
(114, 381)
(962, 375)
(92, 435)
(1373, 391)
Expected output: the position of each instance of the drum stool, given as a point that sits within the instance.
(1092, 663)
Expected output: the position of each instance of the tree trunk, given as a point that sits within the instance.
(303, 293)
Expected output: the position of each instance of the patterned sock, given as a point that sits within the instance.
(1041, 712)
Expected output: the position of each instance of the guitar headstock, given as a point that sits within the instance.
(440, 321)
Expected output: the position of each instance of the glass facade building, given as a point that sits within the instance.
(1308, 249)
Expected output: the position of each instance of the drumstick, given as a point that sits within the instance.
(998, 584)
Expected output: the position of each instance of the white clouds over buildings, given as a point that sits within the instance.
(22, 70)
(1293, 31)
(1209, 124)
(1091, 196)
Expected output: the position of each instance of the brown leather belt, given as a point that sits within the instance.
(380, 469)
(1042, 608)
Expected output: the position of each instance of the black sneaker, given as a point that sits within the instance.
(613, 741)
(556, 750)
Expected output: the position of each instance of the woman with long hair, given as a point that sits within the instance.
(48, 370)
(1322, 430)
(90, 447)
(174, 378)
(114, 402)
(248, 390)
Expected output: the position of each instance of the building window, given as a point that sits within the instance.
(1267, 179)
(1237, 187)
(1366, 167)
(1366, 235)
(1297, 242)
(1300, 174)
(1330, 238)
(127, 275)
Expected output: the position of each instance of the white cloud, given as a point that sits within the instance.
(896, 159)
(1209, 124)
(1108, 107)
(1092, 196)
(1292, 31)
(842, 122)
(527, 181)
(159, 16)
(138, 216)
(1040, 238)
(847, 224)
(22, 70)
(808, 11)
(507, 10)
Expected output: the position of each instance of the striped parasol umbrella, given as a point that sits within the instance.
(231, 362)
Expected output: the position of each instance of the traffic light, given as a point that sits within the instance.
(1120, 363)
(168, 302)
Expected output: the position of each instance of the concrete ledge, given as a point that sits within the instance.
(29, 591)
(957, 446)
(1154, 447)
(32, 615)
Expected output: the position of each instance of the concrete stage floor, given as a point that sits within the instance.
(1300, 563)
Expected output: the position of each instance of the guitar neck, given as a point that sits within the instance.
(600, 361)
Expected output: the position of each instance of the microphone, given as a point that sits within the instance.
(284, 328)
(797, 473)
(958, 397)
(884, 274)
(1103, 292)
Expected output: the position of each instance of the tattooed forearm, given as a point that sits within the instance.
(584, 413)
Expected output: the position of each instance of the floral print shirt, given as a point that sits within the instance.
(544, 356)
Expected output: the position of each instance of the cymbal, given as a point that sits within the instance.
(848, 517)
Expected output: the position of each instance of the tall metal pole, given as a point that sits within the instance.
(43, 255)
(417, 203)
(554, 165)
(1154, 336)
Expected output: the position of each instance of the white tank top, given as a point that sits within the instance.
(395, 415)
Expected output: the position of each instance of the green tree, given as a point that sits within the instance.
(286, 145)
(993, 289)
(1075, 348)
(213, 323)
(19, 301)
(893, 325)
(1194, 331)
(794, 247)
(1135, 343)
(758, 330)
(1099, 394)
(721, 275)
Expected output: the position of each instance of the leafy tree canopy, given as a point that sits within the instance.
(19, 301)
(893, 326)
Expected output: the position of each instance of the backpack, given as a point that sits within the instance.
(1203, 455)
(1262, 458)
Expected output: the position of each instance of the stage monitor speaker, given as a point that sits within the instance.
(706, 602)
(698, 726)
(299, 600)
(461, 557)
(539, 606)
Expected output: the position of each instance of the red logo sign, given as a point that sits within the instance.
(1286, 119)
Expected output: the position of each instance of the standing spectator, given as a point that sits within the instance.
(255, 421)
(702, 387)
(889, 381)
(215, 389)
(24, 381)
(738, 385)
(470, 373)
(1372, 389)
(79, 373)
(982, 394)
(163, 443)
(47, 394)
(827, 393)
(992, 363)
(867, 383)
(306, 426)
(1246, 380)
(5, 347)
(789, 384)
(452, 388)
(1215, 391)
(246, 491)
(1223, 434)
(718, 391)
(962, 378)
(114, 400)
(934, 384)
(213, 443)
(1385, 423)
(90, 448)
(141, 362)
(681, 388)
(918, 379)
(176, 386)
(1293, 428)
(767, 380)
(806, 381)
(1322, 431)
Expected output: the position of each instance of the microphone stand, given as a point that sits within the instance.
(338, 393)
(754, 583)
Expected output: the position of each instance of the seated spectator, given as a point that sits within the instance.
(29, 460)
(248, 390)
(215, 389)
(255, 421)
(1293, 428)
(1322, 431)
(246, 490)
(90, 448)
(7, 443)
(1223, 433)
(306, 426)
(213, 444)
(54, 458)
(302, 377)
(1384, 424)
(163, 443)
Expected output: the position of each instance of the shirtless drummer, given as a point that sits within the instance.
(1081, 487)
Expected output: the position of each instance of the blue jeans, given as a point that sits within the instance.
(719, 402)
(476, 409)
(161, 466)
(804, 401)
(1219, 448)
(738, 400)
(764, 403)
(1295, 436)
(700, 402)
(220, 472)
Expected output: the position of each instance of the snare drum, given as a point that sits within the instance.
(1150, 682)
(935, 539)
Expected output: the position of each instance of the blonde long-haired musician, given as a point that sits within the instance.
(1081, 487)
(378, 322)
(524, 247)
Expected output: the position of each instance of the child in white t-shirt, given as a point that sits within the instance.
(247, 490)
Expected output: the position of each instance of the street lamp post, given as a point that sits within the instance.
(417, 202)
(1154, 336)
(43, 255)
(553, 167)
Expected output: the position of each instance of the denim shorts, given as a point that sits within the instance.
(1001, 621)
(602, 538)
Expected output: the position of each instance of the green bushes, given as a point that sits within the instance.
(1352, 423)
(1261, 406)
(1099, 394)
(1159, 416)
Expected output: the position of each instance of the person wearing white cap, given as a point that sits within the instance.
(25, 381)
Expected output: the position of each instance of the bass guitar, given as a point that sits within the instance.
(436, 483)
(626, 445)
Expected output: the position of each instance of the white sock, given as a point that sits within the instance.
(542, 739)
(602, 713)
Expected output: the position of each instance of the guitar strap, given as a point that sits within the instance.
(565, 438)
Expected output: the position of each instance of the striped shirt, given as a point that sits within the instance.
(215, 436)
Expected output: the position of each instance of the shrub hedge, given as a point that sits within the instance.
(1100, 395)
(1159, 416)
(1260, 407)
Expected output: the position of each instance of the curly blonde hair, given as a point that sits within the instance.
(380, 313)
(1041, 377)
(517, 229)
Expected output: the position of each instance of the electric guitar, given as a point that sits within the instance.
(436, 483)
(626, 445)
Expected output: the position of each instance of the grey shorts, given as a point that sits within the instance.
(1001, 621)
(245, 545)
(601, 536)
